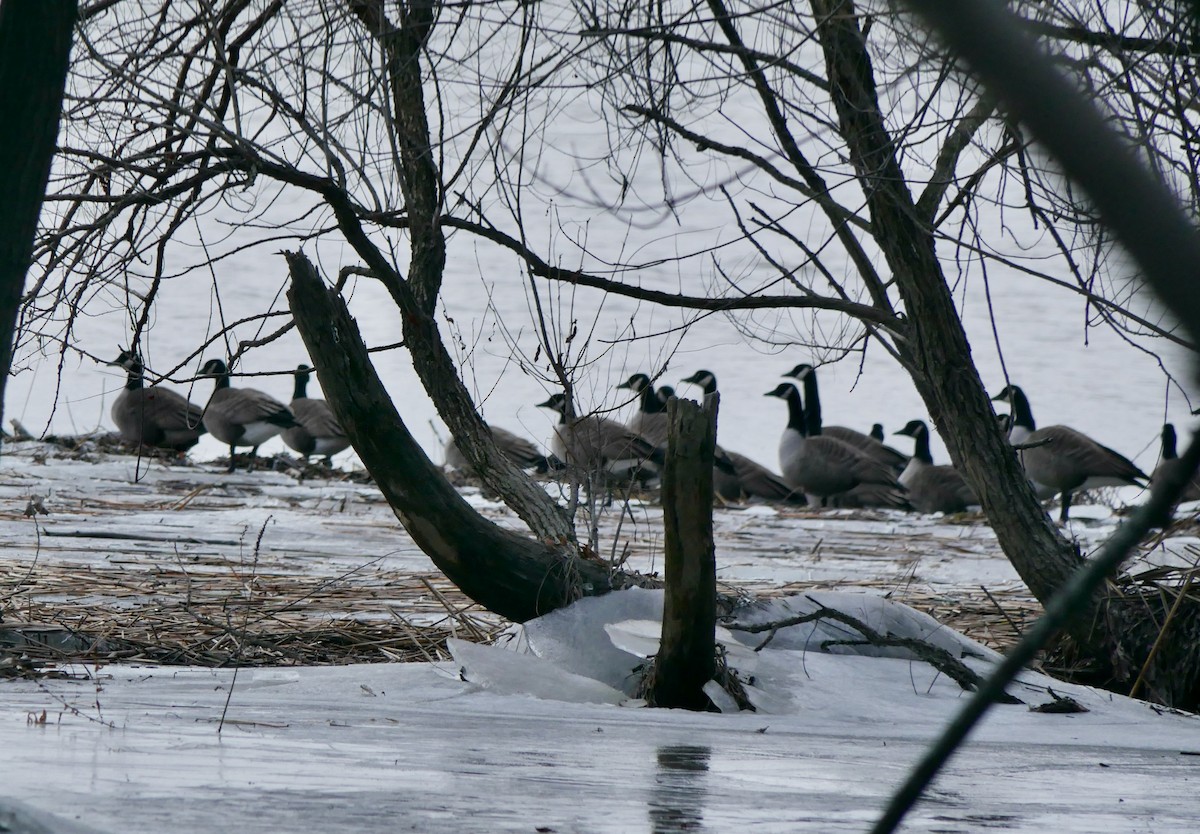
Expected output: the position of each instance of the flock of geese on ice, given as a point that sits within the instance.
(832, 466)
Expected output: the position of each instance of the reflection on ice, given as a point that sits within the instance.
(677, 802)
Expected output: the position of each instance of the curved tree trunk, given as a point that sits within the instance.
(1115, 633)
(513, 575)
(35, 44)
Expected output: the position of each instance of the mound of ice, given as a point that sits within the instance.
(885, 616)
(574, 638)
(513, 673)
(595, 651)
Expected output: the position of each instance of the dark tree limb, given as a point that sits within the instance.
(35, 46)
(1166, 245)
(539, 267)
(1065, 606)
(870, 276)
(515, 576)
(935, 656)
(402, 43)
(937, 352)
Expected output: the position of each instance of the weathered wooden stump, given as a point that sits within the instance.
(686, 659)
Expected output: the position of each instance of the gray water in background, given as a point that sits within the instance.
(1089, 378)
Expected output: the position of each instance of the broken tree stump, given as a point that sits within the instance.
(686, 659)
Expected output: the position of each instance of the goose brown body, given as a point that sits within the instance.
(743, 478)
(596, 444)
(823, 466)
(318, 431)
(752, 480)
(1064, 459)
(932, 488)
(520, 451)
(864, 442)
(242, 416)
(154, 416)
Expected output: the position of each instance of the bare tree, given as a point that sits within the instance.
(854, 159)
(900, 159)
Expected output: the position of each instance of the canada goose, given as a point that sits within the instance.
(932, 489)
(872, 496)
(812, 396)
(242, 416)
(748, 478)
(705, 379)
(1066, 460)
(820, 465)
(154, 416)
(650, 421)
(1170, 460)
(597, 444)
(516, 448)
(318, 432)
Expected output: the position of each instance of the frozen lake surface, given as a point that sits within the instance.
(409, 748)
(414, 747)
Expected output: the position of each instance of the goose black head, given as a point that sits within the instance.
(127, 359)
(705, 379)
(1007, 394)
(214, 367)
(784, 391)
(637, 382)
(914, 428)
(557, 402)
(664, 393)
(801, 371)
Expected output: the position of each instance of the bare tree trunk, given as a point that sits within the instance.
(35, 44)
(515, 576)
(1116, 634)
(416, 295)
(686, 659)
(935, 346)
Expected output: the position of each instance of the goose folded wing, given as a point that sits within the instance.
(317, 417)
(865, 469)
(517, 448)
(760, 482)
(172, 409)
(255, 406)
(1074, 449)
